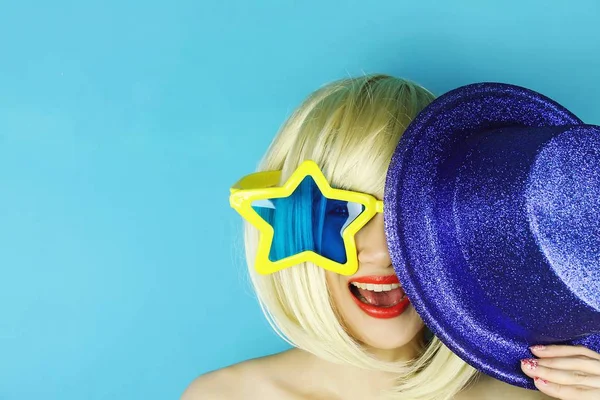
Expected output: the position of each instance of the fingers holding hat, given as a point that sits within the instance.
(565, 372)
(563, 351)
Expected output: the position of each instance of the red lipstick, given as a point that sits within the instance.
(381, 280)
(377, 311)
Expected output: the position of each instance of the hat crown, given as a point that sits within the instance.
(522, 211)
(563, 201)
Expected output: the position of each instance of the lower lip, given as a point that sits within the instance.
(382, 312)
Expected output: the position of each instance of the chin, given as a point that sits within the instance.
(386, 334)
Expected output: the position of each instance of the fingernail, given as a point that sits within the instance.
(538, 347)
(545, 382)
(530, 363)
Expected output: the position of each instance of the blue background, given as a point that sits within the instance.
(122, 125)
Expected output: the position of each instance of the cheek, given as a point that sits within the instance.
(333, 284)
(338, 288)
(349, 314)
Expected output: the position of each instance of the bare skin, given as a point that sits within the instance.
(296, 375)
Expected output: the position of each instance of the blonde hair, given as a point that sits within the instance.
(350, 128)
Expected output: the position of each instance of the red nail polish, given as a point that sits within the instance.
(537, 379)
(530, 363)
(538, 347)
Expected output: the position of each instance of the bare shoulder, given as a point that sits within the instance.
(213, 385)
(488, 388)
(256, 378)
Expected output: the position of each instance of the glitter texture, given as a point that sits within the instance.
(491, 215)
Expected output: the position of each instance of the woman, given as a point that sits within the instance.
(357, 336)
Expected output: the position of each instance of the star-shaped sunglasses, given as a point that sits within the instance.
(303, 220)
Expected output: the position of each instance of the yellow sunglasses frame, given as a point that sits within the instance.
(264, 185)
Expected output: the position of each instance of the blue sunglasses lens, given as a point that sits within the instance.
(308, 221)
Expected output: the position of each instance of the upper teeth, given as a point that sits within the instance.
(375, 287)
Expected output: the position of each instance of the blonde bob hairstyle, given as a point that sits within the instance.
(350, 128)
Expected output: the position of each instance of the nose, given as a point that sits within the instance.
(371, 244)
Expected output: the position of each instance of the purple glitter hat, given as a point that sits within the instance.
(492, 216)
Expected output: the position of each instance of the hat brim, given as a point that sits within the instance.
(449, 301)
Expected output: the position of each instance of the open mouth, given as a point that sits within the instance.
(379, 300)
(378, 295)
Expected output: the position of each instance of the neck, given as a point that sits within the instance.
(405, 353)
(346, 381)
